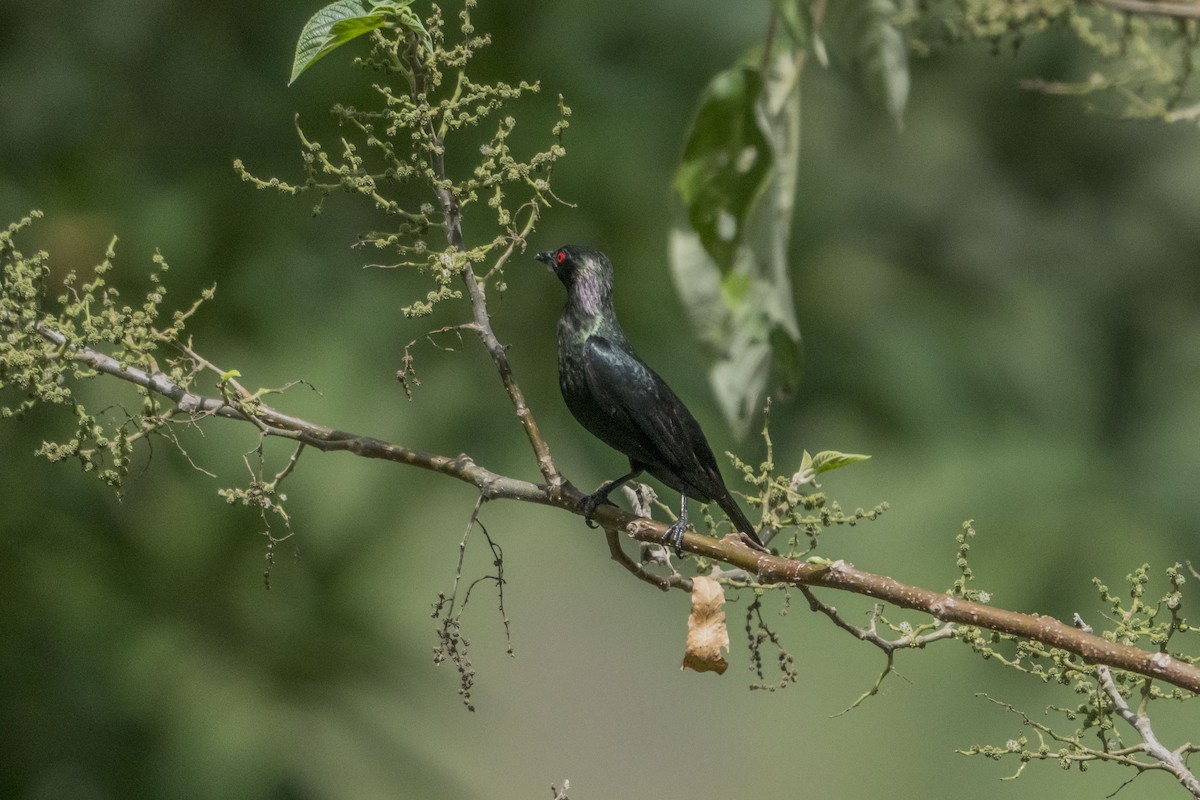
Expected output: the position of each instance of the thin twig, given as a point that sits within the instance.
(452, 213)
(871, 634)
(664, 582)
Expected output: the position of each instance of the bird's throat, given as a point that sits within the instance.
(590, 297)
(588, 312)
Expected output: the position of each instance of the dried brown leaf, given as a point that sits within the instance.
(707, 634)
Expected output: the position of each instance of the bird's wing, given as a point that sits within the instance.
(647, 421)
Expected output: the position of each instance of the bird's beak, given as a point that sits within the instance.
(546, 257)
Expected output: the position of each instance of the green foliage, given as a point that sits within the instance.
(727, 162)
(21, 296)
(1092, 732)
(49, 345)
(394, 153)
(1143, 58)
(329, 29)
(1129, 624)
(827, 460)
(794, 515)
(1139, 619)
(736, 181)
(863, 35)
(736, 186)
(966, 575)
(340, 22)
(793, 501)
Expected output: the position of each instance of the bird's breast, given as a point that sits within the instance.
(572, 381)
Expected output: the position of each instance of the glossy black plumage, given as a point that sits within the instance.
(623, 402)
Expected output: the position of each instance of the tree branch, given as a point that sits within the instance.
(1154, 8)
(1170, 760)
(769, 568)
(452, 213)
(273, 422)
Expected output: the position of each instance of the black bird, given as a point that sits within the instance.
(623, 402)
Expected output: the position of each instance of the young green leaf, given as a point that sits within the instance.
(828, 460)
(408, 19)
(344, 20)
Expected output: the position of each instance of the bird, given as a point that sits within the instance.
(620, 400)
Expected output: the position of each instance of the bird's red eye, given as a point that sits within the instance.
(561, 256)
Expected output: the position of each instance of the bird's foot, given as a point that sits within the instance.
(674, 535)
(591, 502)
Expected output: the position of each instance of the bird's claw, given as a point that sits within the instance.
(674, 536)
(590, 503)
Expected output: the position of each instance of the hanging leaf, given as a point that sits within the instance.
(707, 634)
(796, 18)
(863, 35)
(729, 261)
(726, 162)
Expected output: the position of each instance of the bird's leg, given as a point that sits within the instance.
(600, 496)
(674, 534)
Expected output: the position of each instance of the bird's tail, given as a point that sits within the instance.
(734, 512)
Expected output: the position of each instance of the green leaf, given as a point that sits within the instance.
(345, 20)
(738, 177)
(828, 460)
(863, 35)
(797, 22)
(726, 162)
(795, 16)
(787, 360)
(409, 20)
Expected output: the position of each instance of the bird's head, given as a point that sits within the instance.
(580, 268)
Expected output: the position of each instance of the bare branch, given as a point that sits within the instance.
(871, 634)
(499, 354)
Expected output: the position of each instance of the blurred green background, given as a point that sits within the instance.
(1001, 304)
